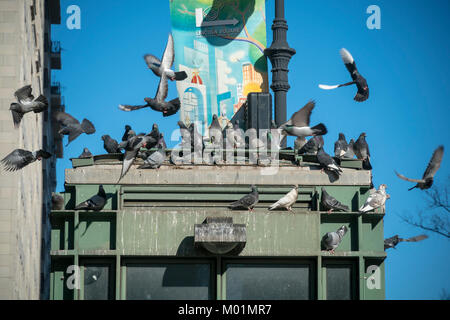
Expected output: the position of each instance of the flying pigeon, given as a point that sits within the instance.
(157, 158)
(330, 203)
(110, 145)
(361, 149)
(57, 201)
(427, 179)
(312, 146)
(350, 154)
(298, 125)
(20, 158)
(340, 146)
(85, 154)
(287, 201)
(393, 241)
(327, 162)
(375, 200)
(95, 203)
(331, 240)
(248, 201)
(72, 127)
(162, 68)
(26, 103)
(358, 79)
(126, 134)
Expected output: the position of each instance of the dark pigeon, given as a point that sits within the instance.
(95, 203)
(248, 201)
(85, 154)
(126, 134)
(57, 201)
(312, 146)
(361, 149)
(157, 158)
(26, 103)
(393, 241)
(72, 127)
(110, 145)
(19, 158)
(340, 146)
(330, 203)
(327, 162)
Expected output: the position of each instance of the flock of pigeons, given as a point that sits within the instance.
(298, 126)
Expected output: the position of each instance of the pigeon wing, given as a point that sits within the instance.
(154, 64)
(17, 160)
(349, 63)
(17, 117)
(409, 179)
(435, 163)
(126, 107)
(169, 54)
(161, 93)
(24, 94)
(415, 239)
(65, 119)
(301, 117)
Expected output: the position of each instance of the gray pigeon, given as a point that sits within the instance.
(57, 201)
(72, 127)
(375, 200)
(20, 158)
(157, 158)
(361, 149)
(110, 145)
(332, 239)
(433, 166)
(393, 241)
(95, 203)
(340, 146)
(327, 162)
(125, 135)
(248, 201)
(235, 136)
(215, 130)
(350, 154)
(85, 154)
(197, 143)
(312, 146)
(26, 103)
(330, 203)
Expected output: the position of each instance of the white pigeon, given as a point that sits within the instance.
(376, 199)
(287, 201)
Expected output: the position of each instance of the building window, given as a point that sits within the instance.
(98, 281)
(340, 280)
(169, 281)
(266, 281)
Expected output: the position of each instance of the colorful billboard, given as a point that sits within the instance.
(220, 44)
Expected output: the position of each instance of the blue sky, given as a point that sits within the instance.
(406, 117)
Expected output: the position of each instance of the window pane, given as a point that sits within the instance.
(96, 282)
(268, 282)
(339, 282)
(168, 281)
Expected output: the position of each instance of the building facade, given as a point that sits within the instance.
(148, 242)
(27, 56)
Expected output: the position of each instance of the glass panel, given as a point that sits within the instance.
(96, 282)
(268, 282)
(339, 282)
(168, 281)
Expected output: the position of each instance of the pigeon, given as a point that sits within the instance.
(327, 162)
(162, 68)
(157, 158)
(358, 79)
(350, 154)
(287, 201)
(126, 134)
(57, 201)
(215, 130)
(197, 143)
(427, 179)
(235, 136)
(393, 241)
(168, 108)
(72, 127)
(130, 135)
(299, 143)
(248, 201)
(361, 149)
(330, 203)
(298, 125)
(85, 154)
(110, 145)
(20, 158)
(26, 103)
(95, 203)
(331, 240)
(312, 146)
(340, 146)
(375, 200)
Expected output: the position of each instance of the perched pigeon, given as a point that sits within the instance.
(340, 146)
(95, 203)
(248, 201)
(26, 104)
(197, 143)
(130, 135)
(287, 201)
(235, 136)
(162, 68)
(427, 179)
(157, 158)
(57, 201)
(110, 145)
(327, 162)
(361, 83)
(393, 241)
(330, 203)
(215, 130)
(332, 239)
(126, 134)
(298, 125)
(350, 154)
(361, 149)
(85, 154)
(312, 146)
(72, 127)
(20, 158)
(375, 200)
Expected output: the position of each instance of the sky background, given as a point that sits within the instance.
(406, 117)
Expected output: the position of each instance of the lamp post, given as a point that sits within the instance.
(279, 54)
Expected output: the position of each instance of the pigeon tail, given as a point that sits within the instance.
(327, 87)
(42, 99)
(366, 164)
(87, 127)
(180, 76)
(319, 129)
